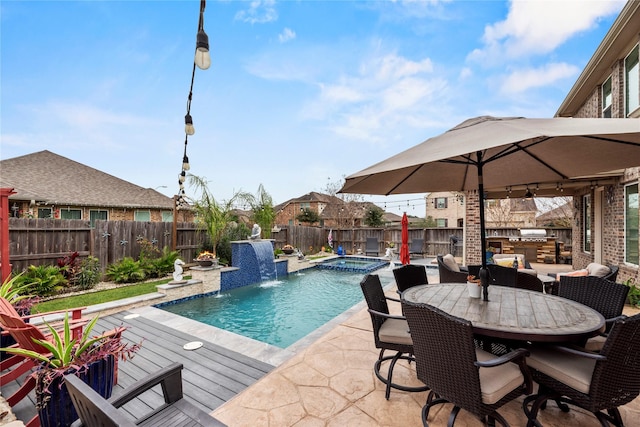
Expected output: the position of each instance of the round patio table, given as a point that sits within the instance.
(512, 313)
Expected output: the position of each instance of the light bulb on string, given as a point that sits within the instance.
(188, 125)
(185, 163)
(202, 58)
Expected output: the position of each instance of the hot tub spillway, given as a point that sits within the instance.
(253, 261)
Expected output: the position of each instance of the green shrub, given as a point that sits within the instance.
(634, 293)
(88, 273)
(159, 266)
(127, 270)
(43, 280)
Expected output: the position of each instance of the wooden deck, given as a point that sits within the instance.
(211, 376)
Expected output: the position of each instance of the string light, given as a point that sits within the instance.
(202, 60)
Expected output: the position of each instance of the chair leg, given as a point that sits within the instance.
(432, 399)
(389, 379)
(453, 415)
(536, 401)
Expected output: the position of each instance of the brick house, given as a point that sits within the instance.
(48, 185)
(606, 222)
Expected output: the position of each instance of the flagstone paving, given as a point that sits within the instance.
(332, 383)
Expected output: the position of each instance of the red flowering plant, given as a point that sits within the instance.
(473, 279)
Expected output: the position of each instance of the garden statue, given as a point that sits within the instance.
(255, 232)
(177, 270)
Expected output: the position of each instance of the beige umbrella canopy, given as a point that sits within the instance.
(516, 151)
(505, 153)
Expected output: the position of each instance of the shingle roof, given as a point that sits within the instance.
(48, 177)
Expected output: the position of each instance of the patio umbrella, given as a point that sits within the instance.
(518, 153)
(404, 248)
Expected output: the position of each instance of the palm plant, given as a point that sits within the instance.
(263, 213)
(212, 217)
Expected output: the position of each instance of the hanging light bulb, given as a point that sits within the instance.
(183, 176)
(185, 163)
(202, 59)
(188, 125)
(528, 195)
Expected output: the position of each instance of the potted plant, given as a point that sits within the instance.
(474, 286)
(92, 358)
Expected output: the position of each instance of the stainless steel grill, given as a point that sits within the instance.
(533, 235)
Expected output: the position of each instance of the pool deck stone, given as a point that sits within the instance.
(331, 383)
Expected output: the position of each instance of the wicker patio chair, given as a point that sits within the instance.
(417, 247)
(596, 382)
(613, 275)
(529, 281)
(410, 275)
(389, 332)
(372, 246)
(604, 296)
(95, 411)
(447, 275)
(459, 373)
(503, 276)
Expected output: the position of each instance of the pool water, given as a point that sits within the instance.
(277, 312)
(353, 264)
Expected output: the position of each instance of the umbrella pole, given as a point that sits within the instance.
(484, 276)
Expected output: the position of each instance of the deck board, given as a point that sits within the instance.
(211, 376)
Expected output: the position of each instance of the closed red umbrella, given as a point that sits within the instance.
(404, 248)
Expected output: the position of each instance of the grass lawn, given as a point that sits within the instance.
(98, 297)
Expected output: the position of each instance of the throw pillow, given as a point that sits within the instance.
(450, 262)
(505, 262)
(599, 270)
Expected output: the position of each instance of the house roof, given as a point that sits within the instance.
(311, 197)
(48, 177)
(622, 35)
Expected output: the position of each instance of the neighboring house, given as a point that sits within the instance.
(606, 224)
(561, 216)
(48, 185)
(512, 212)
(447, 209)
(287, 212)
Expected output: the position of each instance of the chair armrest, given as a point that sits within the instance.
(393, 299)
(385, 315)
(609, 322)
(578, 351)
(517, 356)
(501, 360)
(170, 378)
(47, 313)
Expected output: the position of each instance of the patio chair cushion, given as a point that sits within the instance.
(575, 273)
(450, 262)
(576, 372)
(497, 382)
(596, 343)
(395, 331)
(598, 270)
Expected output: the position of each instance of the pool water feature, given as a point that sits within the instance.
(277, 312)
(353, 264)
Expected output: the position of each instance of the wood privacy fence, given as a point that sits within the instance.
(44, 241)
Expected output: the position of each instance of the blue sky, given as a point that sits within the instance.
(299, 93)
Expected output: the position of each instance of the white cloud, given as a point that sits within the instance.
(259, 12)
(538, 27)
(286, 35)
(522, 80)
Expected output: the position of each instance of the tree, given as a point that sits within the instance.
(374, 217)
(262, 212)
(212, 217)
(308, 216)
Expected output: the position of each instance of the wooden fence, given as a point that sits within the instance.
(43, 241)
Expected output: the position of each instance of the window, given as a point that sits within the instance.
(606, 99)
(96, 215)
(631, 224)
(632, 82)
(45, 213)
(142, 215)
(441, 222)
(441, 203)
(70, 214)
(167, 216)
(586, 223)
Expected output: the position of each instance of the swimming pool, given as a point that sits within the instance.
(276, 312)
(353, 264)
